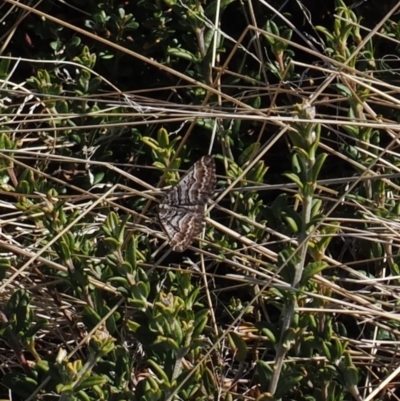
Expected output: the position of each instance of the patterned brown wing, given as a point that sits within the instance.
(196, 186)
(181, 212)
(181, 227)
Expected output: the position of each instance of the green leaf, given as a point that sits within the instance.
(130, 252)
(43, 365)
(98, 177)
(248, 154)
(326, 32)
(111, 321)
(236, 127)
(316, 207)
(258, 172)
(65, 251)
(160, 372)
(238, 346)
(311, 270)
(36, 327)
(210, 10)
(183, 54)
(342, 90)
(292, 223)
(132, 326)
(113, 222)
(256, 104)
(94, 84)
(152, 143)
(90, 314)
(319, 162)
(140, 292)
(351, 376)
(295, 178)
(90, 382)
(21, 385)
(111, 243)
(159, 165)
(201, 319)
(83, 396)
(268, 330)
(287, 381)
(337, 349)
(4, 266)
(5, 66)
(326, 350)
(163, 138)
(264, 371)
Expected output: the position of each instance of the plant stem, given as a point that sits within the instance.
(290, 309)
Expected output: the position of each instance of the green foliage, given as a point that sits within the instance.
(282, 67)
(103, 103)
(163, 153)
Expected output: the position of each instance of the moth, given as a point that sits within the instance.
(181, 211)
